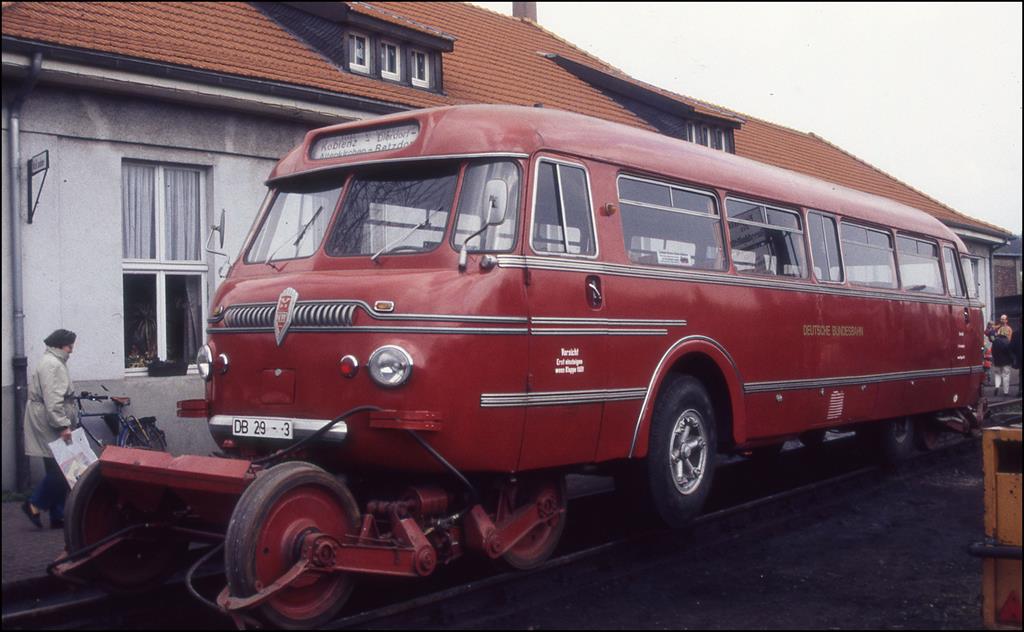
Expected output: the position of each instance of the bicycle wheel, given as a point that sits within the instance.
(151, 438)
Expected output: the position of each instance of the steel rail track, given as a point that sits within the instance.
(478, 598)
(470, 605)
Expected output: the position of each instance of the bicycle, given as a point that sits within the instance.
(130, 431)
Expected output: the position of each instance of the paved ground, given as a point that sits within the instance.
(895, 558)
(27, 549)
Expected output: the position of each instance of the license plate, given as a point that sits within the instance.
(262, 427)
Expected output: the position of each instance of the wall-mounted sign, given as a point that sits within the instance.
(364, 142)
(40, 163)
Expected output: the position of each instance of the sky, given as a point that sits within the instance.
(928, 93)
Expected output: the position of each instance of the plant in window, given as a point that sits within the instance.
(142, 330)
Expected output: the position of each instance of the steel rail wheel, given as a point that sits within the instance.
(813, 438)
(282, 507)
(897, 439)
(93, 511)
(681, 461)
(538, 545)
(926, 434)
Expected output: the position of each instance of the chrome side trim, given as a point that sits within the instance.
(559, 398)
(551, 331)
(341, 313)
(300, 426)
(657, 372)
(462, 331)
(792, 385)
(609, 322)
(716, 278)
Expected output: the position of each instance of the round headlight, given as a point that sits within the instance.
(390, 366)
(204, 362)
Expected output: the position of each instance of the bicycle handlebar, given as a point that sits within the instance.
(91, 396)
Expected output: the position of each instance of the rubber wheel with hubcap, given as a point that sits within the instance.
(284, 505)
(682, 451)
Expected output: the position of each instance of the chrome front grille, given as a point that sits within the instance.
(324, 315)
(249, 316)
(311, 314)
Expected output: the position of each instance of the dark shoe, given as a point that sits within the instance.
(56, 524)
(34, 517)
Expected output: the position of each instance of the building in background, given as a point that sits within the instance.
(1007, 281)
(130, 128)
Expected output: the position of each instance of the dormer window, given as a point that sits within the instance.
(358, 47)
(420, 72)
(367, 40)
(390, 61)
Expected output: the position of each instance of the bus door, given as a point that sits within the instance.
(567, 356)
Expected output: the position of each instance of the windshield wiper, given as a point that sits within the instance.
(298, 238)
(424, 224)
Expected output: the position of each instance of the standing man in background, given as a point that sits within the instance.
(1002, 354)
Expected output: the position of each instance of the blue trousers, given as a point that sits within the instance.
(50, 493)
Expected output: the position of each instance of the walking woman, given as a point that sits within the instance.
(49, 416)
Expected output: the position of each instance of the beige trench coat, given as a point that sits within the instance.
(51, 406)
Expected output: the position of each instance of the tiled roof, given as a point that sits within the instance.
(379, 13)
(496, 59)
(232, 38)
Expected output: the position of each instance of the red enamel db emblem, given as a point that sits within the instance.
(284, 312)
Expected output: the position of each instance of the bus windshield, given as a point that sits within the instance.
(394, 211)
(295, 223)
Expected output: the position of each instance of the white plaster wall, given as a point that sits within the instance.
(72, 251)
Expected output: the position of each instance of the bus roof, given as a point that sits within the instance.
(492, 129)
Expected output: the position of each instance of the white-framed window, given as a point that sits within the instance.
(420, 71)
(358, 53)
(390, 61)
(163, 265)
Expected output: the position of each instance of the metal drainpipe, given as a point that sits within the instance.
(19, 361)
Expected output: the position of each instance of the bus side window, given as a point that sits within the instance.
(828, 265)
(869, 256)
(970, 276)
(919, 266)
(562, 218)
(667, 225)
(765, 240)
(953, 280)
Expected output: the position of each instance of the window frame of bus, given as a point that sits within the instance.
(938, 258)
(891, 249)
(975, 280)
(950, 255)
(352, 176)
(839, 245)
(717, 215)
(590, 204)
(804, 273)
(263, 216)
(457, 210)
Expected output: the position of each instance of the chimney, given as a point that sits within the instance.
(526, 10)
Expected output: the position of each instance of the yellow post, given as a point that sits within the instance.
(1001, 568)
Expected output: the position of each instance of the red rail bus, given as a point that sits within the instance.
(438, 314)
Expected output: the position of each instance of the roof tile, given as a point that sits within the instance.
(496, 59)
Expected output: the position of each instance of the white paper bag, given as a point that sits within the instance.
(73, 457)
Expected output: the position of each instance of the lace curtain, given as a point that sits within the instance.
(181, 214)
(138, 203)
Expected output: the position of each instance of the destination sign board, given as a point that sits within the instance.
(364, 142)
